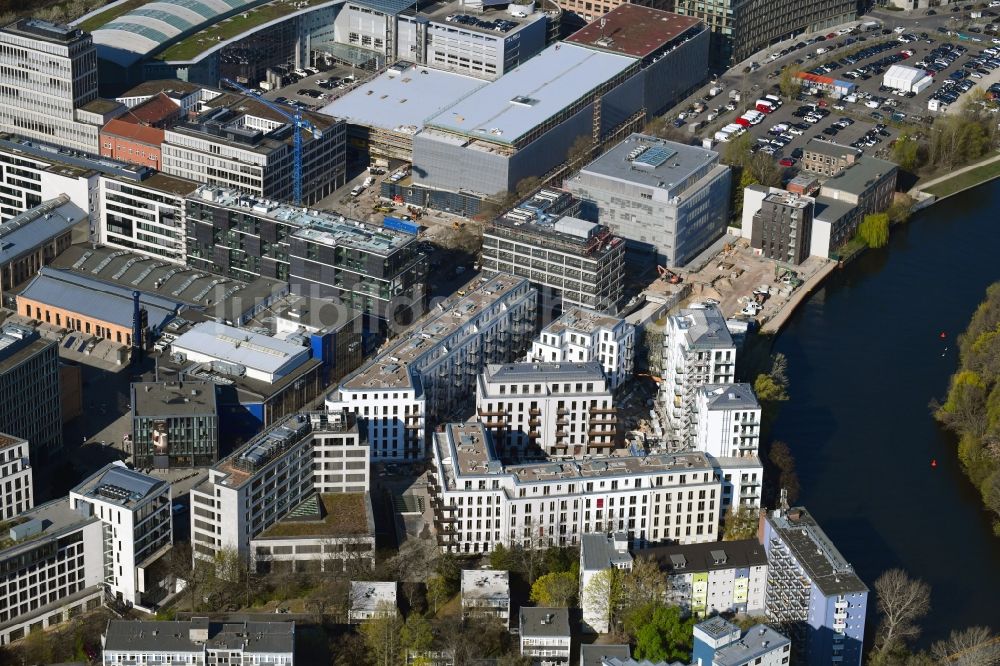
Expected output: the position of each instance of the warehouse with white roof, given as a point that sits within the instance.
(907, 79)
(523, 123)
(261, 357)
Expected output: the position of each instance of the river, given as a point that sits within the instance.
(865, 358)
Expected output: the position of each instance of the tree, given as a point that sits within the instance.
(789, 82)
(37, 648)
(780, 455)
(737, 152)
(975, 646)
(662, 634)
(382, 634)
(874, 230)
(906, 152)
(741, 523)
(501, 558)
(555, 589)
(417, 633)
(602, 597)
(644, 584)
(438, 592)
(902, 601)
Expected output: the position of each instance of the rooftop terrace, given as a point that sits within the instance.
(580, 320)
(327, 514)
(815, 552)
(634, 30)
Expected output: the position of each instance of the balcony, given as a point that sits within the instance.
(605, 421)
(494, 424)
(497, 412)
(603, 410)
(561, 433)
(534, 411)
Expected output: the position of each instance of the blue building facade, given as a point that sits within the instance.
(813, 594)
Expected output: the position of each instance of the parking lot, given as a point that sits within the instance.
(318, 89)
(870, 118)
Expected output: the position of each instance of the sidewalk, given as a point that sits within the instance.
(940, 179)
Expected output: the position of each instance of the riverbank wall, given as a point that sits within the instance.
(773, 325)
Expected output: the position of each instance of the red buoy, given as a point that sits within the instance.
(934, 463)
(943, 335)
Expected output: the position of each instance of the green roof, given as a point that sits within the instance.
(97, 20)
(342, 514)
(194, 45)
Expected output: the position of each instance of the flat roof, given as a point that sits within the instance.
(18, 343)
(730, 396)
(582, 320)
(54, 33)
(118, 484)
(164, 399)
(831, 210)
(860, 176)
(759, 640)
(56, 517)
(97, 299)
(704, 328)
(655, 163)
(166, 86)
(316, 226)
(400, 101)
(492, 20)
(466, 451)
(392, 367)
(815, 552)
(589, 371)
(175, 636)
(544, 622)
(599, 552)
(633, 30)
(29, 230)
(241, 346)
(597, 655)
(7, 441)
(485, 584)
(324, 515)
(248, 389)
(524, 98)
(67, 162)
(368, 595)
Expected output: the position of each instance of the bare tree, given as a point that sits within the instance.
(902, 601)
(975, 646)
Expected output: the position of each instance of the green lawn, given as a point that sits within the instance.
(105, 17)
(964, 180)
(192, 46)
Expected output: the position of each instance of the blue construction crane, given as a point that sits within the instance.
(298, 124)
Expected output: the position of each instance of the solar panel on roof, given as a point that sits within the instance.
(654, 156)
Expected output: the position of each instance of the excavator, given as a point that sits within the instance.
(668, 275)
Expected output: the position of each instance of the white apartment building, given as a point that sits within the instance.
(197, 642)
(480, 502)
(16, 487)
(727, 421)
(697, 350)
(48, 84)
(547, 409)
(599, 552)
(585, 335)
(371, 599)
(486, 593)
(741, 478)
(31, 174)
(52, 563)
(260, 483)
(134, 510)
(545, 635)
(430, 372)
(145, 216)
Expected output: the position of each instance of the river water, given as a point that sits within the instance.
(865, 358)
